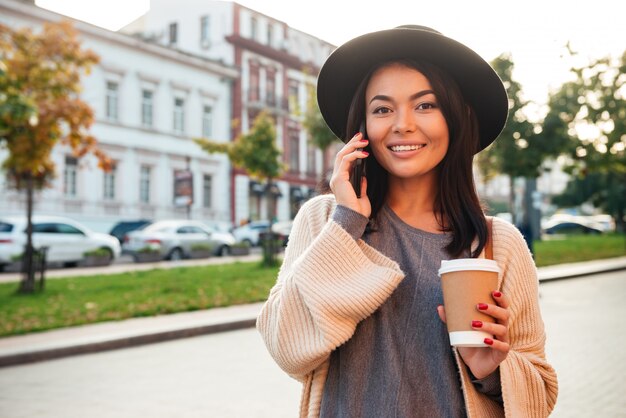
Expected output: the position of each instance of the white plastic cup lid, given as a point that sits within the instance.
(465, 264)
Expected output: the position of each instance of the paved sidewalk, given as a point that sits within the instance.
(137, 331)
(124, 268)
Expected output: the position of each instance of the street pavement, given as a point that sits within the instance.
(230, 374)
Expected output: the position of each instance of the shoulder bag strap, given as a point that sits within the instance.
(489, 244)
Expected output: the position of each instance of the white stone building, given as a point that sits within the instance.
(277, 64)
(149, 100)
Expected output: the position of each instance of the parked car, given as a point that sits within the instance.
(571, 228)
(175, 239)
(282, 229)
(251, 232)
(66, 239)
(124, 227)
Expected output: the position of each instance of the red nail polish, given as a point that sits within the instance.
(363, 140)
(365, 152)
(488, 341)
(497, 294)
(477, 324)
(482, 306)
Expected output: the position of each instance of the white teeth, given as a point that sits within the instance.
(398, 148)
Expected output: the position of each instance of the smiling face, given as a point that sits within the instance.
(407, 131)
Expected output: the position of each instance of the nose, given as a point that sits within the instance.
(404, 122)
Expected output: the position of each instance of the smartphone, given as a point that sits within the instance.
(358, 168)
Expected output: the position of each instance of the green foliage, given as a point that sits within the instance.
(83, 300)
(590, 112)
(256, 151)
(258, 154)
(200, 247)
(40, 104)
(319, 134)
(98, 252)
(522, 147)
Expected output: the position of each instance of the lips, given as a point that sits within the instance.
(404, 148)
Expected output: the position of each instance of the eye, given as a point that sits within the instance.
(381, 110)
(426, 106)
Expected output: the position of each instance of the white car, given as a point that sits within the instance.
(175, 239)
(251, 232)
(66, 239)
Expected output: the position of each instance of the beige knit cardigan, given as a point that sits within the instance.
(329, 282)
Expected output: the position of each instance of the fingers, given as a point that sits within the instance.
(499, 329)
(442, 313)
(351, 151)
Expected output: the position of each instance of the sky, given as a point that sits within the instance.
(534, 32)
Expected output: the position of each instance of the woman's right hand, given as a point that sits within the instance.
(340, 180)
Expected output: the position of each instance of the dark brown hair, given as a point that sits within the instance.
(457, 206)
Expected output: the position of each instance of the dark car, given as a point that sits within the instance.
(571, 228)
(120, 229)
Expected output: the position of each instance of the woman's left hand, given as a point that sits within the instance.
(482, 361)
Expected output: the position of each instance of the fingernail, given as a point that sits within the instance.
(488, 341)
(363, 140)
(477, 324)
(482, 306)
(497, 294)
(365, 152)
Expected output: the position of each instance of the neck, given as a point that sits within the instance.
(413, 201)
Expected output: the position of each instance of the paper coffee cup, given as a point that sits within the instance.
(467, 282)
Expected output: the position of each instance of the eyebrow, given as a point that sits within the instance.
(412, 97)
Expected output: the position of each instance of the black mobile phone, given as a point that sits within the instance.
(358, 168)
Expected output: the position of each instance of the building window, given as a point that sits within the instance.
(204, 29)
(112, 100)
(310, 159)
(173, 33)
(109, 183)
(145, 174)
(207, 191)
(147, 106)
(179, 115)
(294, 150)
(70, 174)
(254, 28)
(253, 93)
(270, 35)
(270, 88)
(207, 121)
(294, 94)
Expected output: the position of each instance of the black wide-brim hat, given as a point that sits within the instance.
(346, 67)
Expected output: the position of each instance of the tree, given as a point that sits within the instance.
(590, 111)
(320, 134)
(518, 151)
(257, 153)
(40, 107)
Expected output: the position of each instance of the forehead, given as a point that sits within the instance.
(396, 76)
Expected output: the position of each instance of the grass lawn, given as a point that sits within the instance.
(80, 300)
(573, 248)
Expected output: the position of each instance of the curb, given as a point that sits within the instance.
(114, 344)
(24, 355)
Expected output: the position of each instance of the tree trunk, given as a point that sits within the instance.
(269, 247)
(512, 199)
(27, 285)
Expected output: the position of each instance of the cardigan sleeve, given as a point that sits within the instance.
(327, 284)
(529, 383)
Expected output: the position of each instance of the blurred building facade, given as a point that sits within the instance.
(277, 65)
(181, 71)
(149, 102)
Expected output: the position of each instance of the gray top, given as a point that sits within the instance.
(399, 362)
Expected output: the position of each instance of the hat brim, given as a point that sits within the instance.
(344, 69)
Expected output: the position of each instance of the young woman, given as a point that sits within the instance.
(356, 312)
